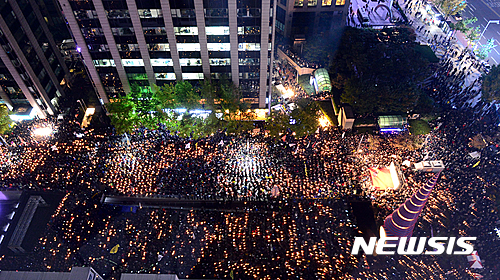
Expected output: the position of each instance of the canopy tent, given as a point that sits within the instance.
(391, 123)
(474, 260)
(322, 80)
(305, 83)
(384, 178)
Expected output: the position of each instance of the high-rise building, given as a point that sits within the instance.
(152, 42)
(402, 221)
(33, 74)
(299, 18)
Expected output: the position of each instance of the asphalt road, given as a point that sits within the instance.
(484, 11)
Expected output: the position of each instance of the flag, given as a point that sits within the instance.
(476, 164)
(160, 256)
(231, 274)
(188, 145)
(343, 134)
(283, 138)
(221, 142)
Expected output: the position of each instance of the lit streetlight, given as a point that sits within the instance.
(481, 36)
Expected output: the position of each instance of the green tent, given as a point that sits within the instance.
(391, 123)
(323, 80)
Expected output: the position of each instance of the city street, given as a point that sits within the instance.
(486, 10)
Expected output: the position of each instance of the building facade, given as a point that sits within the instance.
(33, 73)
(295, 18)
(154, 42)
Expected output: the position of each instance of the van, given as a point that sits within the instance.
(363, 17)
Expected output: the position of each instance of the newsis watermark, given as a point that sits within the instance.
(400, 246)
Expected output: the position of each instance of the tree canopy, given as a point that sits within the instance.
(484, 50)
(379, 71)
(302, 120)
(451, 7)
(144, 108)
(491, 84)
(5, 120)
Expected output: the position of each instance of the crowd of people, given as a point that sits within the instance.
(307, 235)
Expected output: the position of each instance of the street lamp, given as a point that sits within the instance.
(481, 36)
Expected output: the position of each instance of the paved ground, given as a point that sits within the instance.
(485, 10)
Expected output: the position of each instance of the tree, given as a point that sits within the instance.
(146, 105)
(122, 114)
(379, 71)
(473, 34)
(463, 25)
(5, 120)
(302, 120)
(451, 7)
(491, 84)
(186, 96)
(484, 50)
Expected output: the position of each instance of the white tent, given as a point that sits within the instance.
(474, 260)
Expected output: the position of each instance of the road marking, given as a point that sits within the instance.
(496, 51)
(490, 8)
(498, 33)
(494, 60)
(485, 19)
(471, 6)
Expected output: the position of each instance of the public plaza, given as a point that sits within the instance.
(252, 206)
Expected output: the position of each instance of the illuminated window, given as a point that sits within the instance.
(192, 76)
(114, 14)
(220, 75)
(165, 76)
(249, 46)
(219, 61)
(85, 14)
(190, 61)
(186, 30)
(326, 3)
(150, 13)
(249, 30)
(154, 31)
(132, 62)
(298, 3)
(248, 12)
(159, 47)
(188, 47)
(122, 31)
(89, 32)
(312, 3)
(217, 30)
(248, 61)
(183, 13)
(104, 63)
(128, 47)
(162, 62)
(98, 48)
(340, 2)
(219, 46)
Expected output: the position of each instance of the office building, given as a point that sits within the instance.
(154, 42)
(33, 74)
(299, 18)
